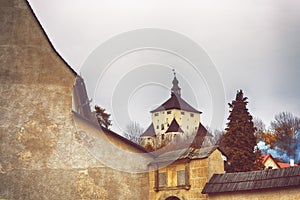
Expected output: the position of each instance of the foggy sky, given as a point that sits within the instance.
(254, 44)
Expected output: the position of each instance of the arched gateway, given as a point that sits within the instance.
(172, 198)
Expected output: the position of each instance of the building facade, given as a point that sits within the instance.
(186, 177)
(175, 118)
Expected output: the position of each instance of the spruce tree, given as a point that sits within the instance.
(103, 117)
(239, 141)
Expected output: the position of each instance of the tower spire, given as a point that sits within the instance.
(175, 90)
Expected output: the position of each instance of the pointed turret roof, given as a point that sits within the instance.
(149, 132)
(175, 101)
(200, 136)
(176, 90)
(174, 127)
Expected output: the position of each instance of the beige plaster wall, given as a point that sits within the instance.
(41, 155)
(215, 164)
(270, 163)
(187, 123)
(198, 173)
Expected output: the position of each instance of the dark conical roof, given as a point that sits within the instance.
(175, 102)
(149, 131)
(199, 137)
(174, 127)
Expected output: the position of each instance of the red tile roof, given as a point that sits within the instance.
(285, 165)
(265, 158)
(279, 164)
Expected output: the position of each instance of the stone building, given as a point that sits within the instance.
(44, 146)
(175, 118)
(183, 173)
(51, 149)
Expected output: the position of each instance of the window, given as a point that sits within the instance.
(187, 127)
(157, 127)
(192, 114)
(162, 127)
(156, 114)
(162, 179)
(181, 177)
(162, 136)
(169, 112)
(182, 113)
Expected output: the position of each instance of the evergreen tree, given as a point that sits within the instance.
(239, 141)
(103, 118)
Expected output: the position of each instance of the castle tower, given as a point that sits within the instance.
(175, 117)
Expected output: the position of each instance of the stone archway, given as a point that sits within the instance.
(172, 198)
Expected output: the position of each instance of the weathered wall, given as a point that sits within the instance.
(199, 170)
(40, 155)
(198, 173)
(279, 194)
(215, 164)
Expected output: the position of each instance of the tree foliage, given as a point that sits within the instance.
(285, 130)
(103, 117)
(239, 141)
(260, 129)
(133, 132)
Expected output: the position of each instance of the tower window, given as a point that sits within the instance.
(157, 127)
(162, 127)
(169, 112)
(182, 113)
(156, 114)
(192, 114)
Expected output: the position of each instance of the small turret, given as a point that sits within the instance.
(175, 90)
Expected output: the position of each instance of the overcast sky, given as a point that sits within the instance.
(254, 45)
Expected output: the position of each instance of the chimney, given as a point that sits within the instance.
(292, 162)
